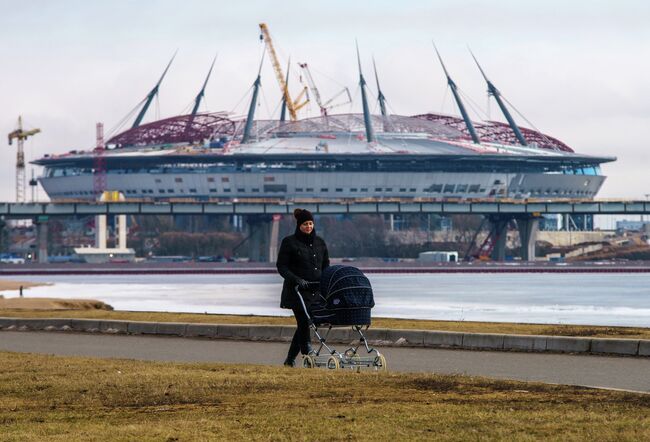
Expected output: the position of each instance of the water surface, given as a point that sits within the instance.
(573, 298)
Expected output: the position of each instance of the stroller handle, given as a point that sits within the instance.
(302, 300)
(311, 284)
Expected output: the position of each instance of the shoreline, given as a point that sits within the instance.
(7, 285)
(371, 267)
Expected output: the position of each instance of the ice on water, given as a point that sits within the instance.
(595, 299)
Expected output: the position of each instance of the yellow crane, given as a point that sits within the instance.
(293, 106)
(21, 135)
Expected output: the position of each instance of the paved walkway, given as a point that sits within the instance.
(594, 371)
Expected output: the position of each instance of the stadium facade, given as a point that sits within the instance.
(332, 157)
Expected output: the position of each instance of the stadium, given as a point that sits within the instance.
(206, 156)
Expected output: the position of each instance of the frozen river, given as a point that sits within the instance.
(596, 299)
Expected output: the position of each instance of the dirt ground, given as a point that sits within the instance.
(49, 304)
(15, 285)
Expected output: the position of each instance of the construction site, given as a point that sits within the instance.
(219, 157)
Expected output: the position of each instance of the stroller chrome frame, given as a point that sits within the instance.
(333, 359)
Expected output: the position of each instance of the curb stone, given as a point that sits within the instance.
(615, 346)
(409, 338)
(113, 327)
(644, 348)
(201, 330)
(483, 341)
(524, 342)
(565, 344)
(142, 328)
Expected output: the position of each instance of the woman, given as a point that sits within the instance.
(301, 259)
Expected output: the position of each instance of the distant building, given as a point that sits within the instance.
(567, 222)
(438, 257)
(627, 225)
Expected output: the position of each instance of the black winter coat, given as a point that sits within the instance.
(300, 257)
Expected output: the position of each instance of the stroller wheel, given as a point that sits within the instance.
(308, 361)
(380, 362)
(333, 363)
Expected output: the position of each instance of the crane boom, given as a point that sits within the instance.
(21, 135)
(312, 86)
(292, 106)
(324, 107)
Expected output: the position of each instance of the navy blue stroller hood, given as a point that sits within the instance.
(346, 297)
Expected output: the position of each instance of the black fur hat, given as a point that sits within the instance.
(302, 215)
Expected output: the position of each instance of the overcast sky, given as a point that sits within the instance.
(579, 70)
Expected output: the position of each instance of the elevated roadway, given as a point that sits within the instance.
(499, 212)
(364, 206)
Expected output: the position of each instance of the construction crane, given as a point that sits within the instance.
(99, 162)
(21, 135)
(293, 106)
(327, 106)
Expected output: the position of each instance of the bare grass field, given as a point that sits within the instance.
(71, 398)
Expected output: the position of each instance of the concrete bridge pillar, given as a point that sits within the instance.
(263, 237)
(41, 226)
(528, 228)
(500, 232)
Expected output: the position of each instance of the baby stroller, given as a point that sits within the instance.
(342, 298)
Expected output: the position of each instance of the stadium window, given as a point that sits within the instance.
(269, 179)
(255, 190)
(213, 190)
(226, 189)
(225, 179)
(298, 189)
(275, 188)
(161, 190)
(389, 189)
(364, 189)
(178, 180)
(241, 189)
(461, 188)
(170, 190)
(338, 189)
(354, 189)
(210, 179)
(412, 189)
(403, 189)
(377, 189)
(192, 190)
(324, 189)
(158, 180)
(310, 189)
(434, 188)
(449, 188)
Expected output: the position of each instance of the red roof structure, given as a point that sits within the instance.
(501, 133)
(179, 129)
